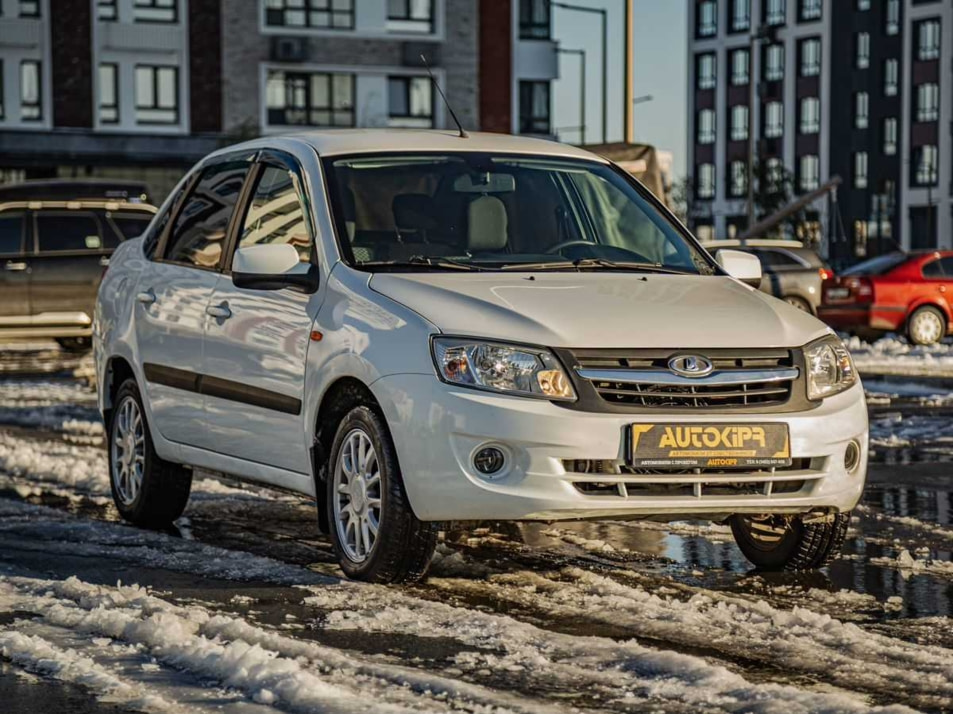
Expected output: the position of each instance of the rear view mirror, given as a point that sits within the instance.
(485, 182)
(272, 266)
(741, 266)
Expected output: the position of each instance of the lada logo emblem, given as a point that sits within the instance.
(690, 365)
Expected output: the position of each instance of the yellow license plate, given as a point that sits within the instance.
(709, 446)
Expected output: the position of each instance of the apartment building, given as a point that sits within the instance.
(858, 89)
(144, 88)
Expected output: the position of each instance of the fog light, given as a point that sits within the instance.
(489, 460)
(852, 457)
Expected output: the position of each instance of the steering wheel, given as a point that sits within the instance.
(558, 248)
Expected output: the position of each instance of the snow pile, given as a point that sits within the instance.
(894, 355)
(930, 434)
(908, 564)
(81, 468)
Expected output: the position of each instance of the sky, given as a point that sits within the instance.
(660, 51)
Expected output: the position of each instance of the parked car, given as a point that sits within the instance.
(53, 254)
(416, 328)
(791, 271)
(894, 292)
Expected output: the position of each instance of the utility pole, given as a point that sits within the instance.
(582, 89)
(627, 94)
(605, 56)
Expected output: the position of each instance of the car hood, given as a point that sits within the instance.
(601, 309)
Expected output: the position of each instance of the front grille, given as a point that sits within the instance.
(709, 489)
(641, 378)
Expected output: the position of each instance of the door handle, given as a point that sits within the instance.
(146, 297)
(15, 266)
(219, 312)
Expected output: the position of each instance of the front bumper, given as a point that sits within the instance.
(437, 428)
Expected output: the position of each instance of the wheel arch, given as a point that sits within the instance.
(118, 369)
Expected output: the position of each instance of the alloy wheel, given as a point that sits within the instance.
(927, 328)
(357, 496)
(128, 447)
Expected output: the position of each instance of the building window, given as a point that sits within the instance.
(863, 5)
(892, 20)
(861, 110)
(809, 10)
(157, 95)
(810, 115)
(535, 20)
(773, 63)
(106, 10)
(740, 15)
(706, 70)
(410, 101)
(809, 52)
(706, 18)
(925, 166)
(928, 102)
(863, 50)
(155, 10)
(809, 174)
(705, 187)
(740, 67)
(774, 12)
(31, 91)
(891, 77)
(310, 99)
(108, 93)
(738, 179)
(706, 126)
(535, 108)
(29, 8)
(739, 122)
(928, 39)
(890, 136)
(773, 120)
(2, 112)
(323, 14)
(413, 16)
(860, 169)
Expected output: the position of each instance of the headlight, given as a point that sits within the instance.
(496, 367)
(830, 370)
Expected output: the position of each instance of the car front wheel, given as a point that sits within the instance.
(375, 534)
(787, 542)
(146, 489)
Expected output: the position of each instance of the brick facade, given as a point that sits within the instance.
(72, 70)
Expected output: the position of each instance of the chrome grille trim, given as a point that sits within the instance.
(732, 378)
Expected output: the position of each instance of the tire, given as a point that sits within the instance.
(363, 471)
(926, 326)
(798, 303)
(147, 490)
(789, 544)
(75, 344)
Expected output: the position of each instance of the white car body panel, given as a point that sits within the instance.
(375, 329)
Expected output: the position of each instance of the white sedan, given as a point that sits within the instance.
(414, 327)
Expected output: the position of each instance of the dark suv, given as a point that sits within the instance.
(54, 250)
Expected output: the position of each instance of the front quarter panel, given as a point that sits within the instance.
(114, 333)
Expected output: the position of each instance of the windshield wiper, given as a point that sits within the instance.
(584, 263)
(423, 260)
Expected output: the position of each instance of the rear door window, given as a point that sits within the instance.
(198, 236)
(275, 214)
(933, 269)
(11, 234)
(68, 231)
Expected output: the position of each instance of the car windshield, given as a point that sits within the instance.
(474, 211)
(880, 265)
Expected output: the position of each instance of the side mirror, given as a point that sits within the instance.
(272, 266)
(741, 266)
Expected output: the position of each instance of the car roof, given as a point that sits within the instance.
(337, 142)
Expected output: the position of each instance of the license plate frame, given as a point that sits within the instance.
(675, 446)
(838, 293)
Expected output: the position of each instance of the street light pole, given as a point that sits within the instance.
(605, 56)
(582, 89)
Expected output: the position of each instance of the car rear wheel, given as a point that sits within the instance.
(787, 542)
(800, 303)
(926, 326)
(147, 490)
(375, 534)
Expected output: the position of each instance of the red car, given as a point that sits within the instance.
(893, 292)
